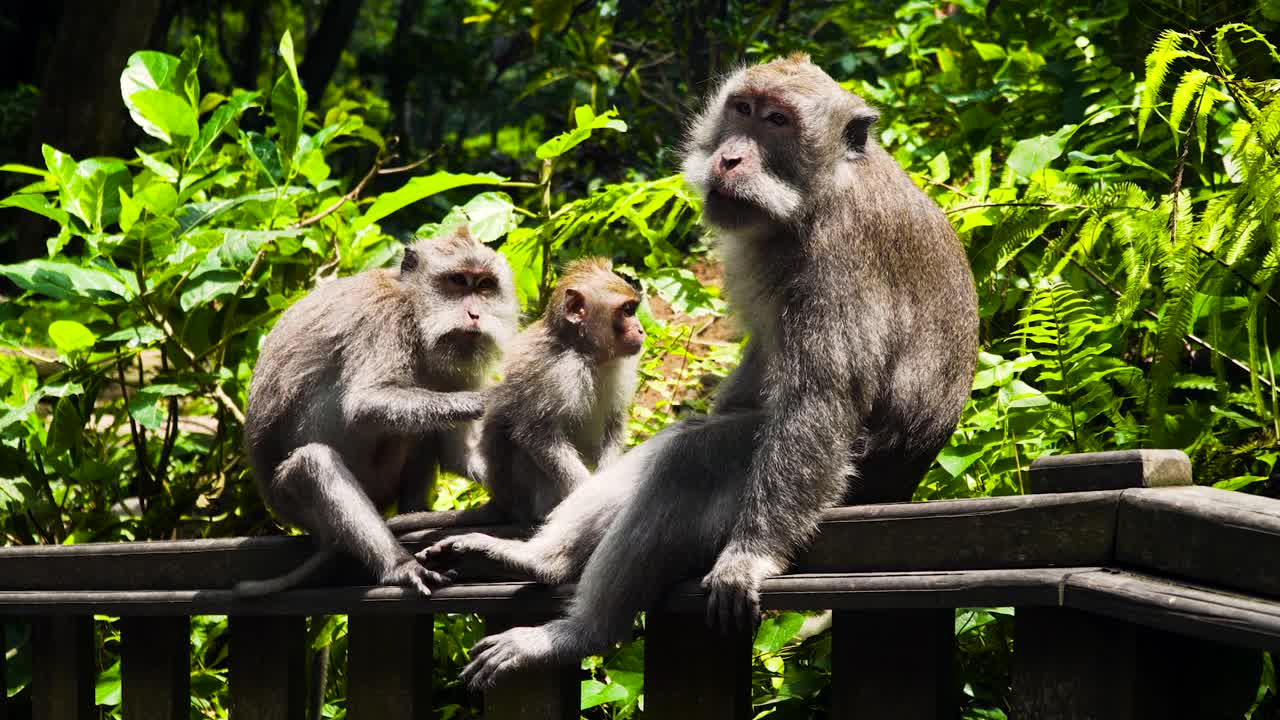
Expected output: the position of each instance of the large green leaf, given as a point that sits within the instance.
(208, 286)
(218, 122)
(419, 188)
(489, 216)
(288, 103)
(143, 407)
(64, 280)
(169, 115)
(586, 121)
(70, 337)
(267, 154)
(37, 204)
(1032, 155)
(149, 70)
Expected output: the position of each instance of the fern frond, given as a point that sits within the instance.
(1251, 35)
(1168, 47)
(1189, 88)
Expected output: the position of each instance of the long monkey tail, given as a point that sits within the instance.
(280, 583)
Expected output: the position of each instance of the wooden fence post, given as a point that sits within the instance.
(537, 693)
(268, 667)
(63, 668)
(389, 667)
(692, 672)
(1073, 664)
(893, 664)
(155, 667)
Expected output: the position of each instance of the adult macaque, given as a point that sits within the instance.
(863, 330)
(363, 386)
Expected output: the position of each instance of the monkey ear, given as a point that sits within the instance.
(409, 262)
(575, 306)
(858, 128)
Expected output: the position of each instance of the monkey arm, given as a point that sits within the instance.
(408, 409)
(741, 390)
(554, 455)
(797, 469)
(615, 438)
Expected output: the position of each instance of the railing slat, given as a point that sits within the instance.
(268, 663)
(4, 675)
(692, 672)
(537, 693)
(389, 667)
(155, 667)
(1070, 664)
(893, 664)
(63, 672)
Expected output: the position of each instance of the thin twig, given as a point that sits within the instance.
(355, 193)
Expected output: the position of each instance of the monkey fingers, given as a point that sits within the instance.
(411, 573)
(496, 655)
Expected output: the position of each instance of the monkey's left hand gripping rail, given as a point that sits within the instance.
(1124, 579)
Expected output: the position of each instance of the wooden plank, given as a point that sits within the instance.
(1114, 470)
(1068, 665)
(389, 667)
(535, 693)
(692, 672)
(1203, 534)
(1217, 615)
(4, 675)
(893, 664)
(155, 667)
(63, 668)
(941, 588)
(1008, 532)
(268, 661)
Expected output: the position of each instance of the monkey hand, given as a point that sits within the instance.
(410, 573)
(469, 404)
(733, 589)
(496, 655)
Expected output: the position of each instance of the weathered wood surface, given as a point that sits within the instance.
(155, 667)
(1208, 535)
(389, 667)
(267, 678)
(537, 693)
(4, 677)
(893, 664)
(1114, 470)
(1179, 607)
(1007, 532)
(941, 588)
(693, 672)
(63, 668)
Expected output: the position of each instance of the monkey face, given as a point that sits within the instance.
(773, 138)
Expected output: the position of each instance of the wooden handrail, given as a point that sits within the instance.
(1102, 579)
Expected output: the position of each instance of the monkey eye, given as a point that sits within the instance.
(743, 109)
(777, 119)
(629, 308)
(487, 283)
(457, 279)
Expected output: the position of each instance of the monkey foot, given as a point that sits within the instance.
(411, 573)
(496, 655)
(448, 550)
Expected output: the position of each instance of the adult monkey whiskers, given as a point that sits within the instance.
(863, 337)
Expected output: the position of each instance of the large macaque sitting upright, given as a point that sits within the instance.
(863, 330)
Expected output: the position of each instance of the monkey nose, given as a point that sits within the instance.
(473, 315)
(729, 162)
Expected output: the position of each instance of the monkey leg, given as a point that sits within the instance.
(327, 500)
(672, 527)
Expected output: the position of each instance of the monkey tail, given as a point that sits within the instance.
(487, 514)
(260, 588)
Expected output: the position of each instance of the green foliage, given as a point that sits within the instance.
(1117, 196)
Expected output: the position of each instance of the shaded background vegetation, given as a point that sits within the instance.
(1111, 166)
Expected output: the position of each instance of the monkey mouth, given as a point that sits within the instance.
(726, 208)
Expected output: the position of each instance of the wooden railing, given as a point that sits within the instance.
(1117, 585)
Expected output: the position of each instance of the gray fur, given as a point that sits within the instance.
(863, 329)
(362, 387)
